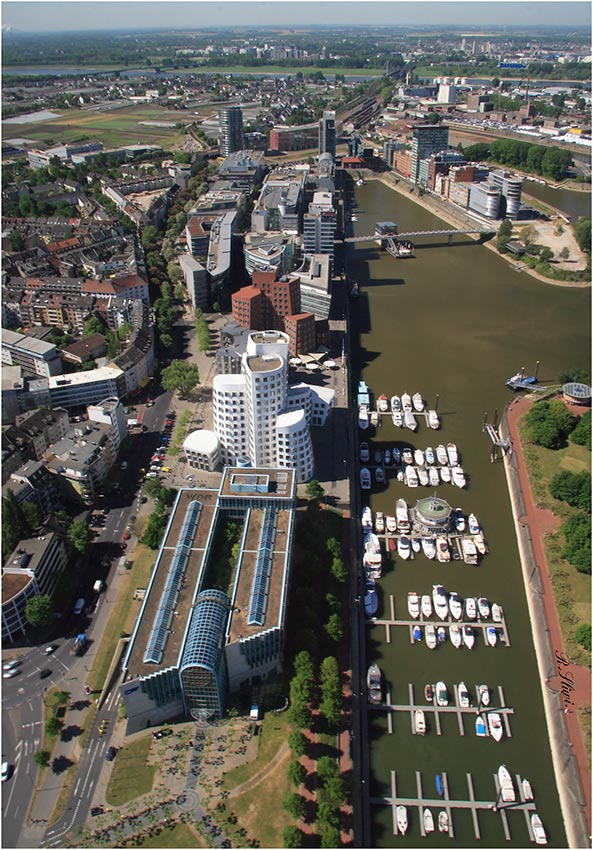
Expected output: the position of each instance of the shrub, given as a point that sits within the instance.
(577, 550)
(582, 432)
(549, 424)
(574, 488)
(582, 636)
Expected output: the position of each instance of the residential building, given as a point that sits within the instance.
(196, 281)
(231, 130)
(319, 225)
(41, 428)
(34, 356)
(327, 133)
(426, 139)
(82, 460)
(110, 412)
(33, 569)
(280, 202)
(83, 388)
(32, 482)
(87, 348)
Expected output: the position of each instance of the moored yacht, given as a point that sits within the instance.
(455, 605)
(418, 402)
(452, 454)
(495, 726)
(458, 476)
(401, 815)
(459, 520)
(410, 420)
(406, 402)
(429, 455)
(395, 403)
(507, 789)
(390, 523)
(473, 524)
(429, 547)
(483, 607)
(470, 608)
(443, 551)
(442, 697)
(433, 420)
(491, 636)
(430, 636)
(397, 417)
(402, 515)
(455, 635)
(426, 606)
(433, 476)
(419, 457)
(439, 601)
(445, 474)
(423, 476)
(382, 403)
(363, 417)
(365, 478)
(419, 722)
(366, 520)
(407, 456)
(411, 476)
(469, 638)
(374, 684)
(379, 522)
(364, 452)
(463, 695)
(442, 455)
(470, 553)
(539, 833)
(403, 547)
(413, 604)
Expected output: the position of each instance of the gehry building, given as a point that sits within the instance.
(258, 416)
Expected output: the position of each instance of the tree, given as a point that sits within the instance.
(545, 254)
(333, 627)
(504, 234)
(179, 292)
(297, 772)
(293, 837)
(582, 432)
(564, 253)
(582, 233)
(555, 163)
(327, 814)
(53, 726)
(93, 325)
(330, 836)
(31, 514)
(17, 243)
(331, 690)
(527, 235)
(181, 376)
(295, 805)
(582, 636)
(42, 758)
(166, 341)
(154, 530)
(39, 610)
(577, 533)
(549, 424)
(574, 488)
(61, 698)
(14, 524)
(338, 570)
(150, 235)
(79, 534)
(297, 743)
(314, 490)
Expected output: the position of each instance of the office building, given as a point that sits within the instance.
(511, 188)
(426, 139)
(231, 130)
(484, 198)
(327, 133)
(82, 388)
(319, 225)
(196, 281)
(34, 356)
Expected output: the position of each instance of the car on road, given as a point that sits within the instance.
(10, 665)
(4, 771)
(10, 673)
(110, 754)
(43, 674)
(51, 648)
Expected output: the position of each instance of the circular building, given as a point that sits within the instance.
(202, 449)
(577, 393)
(432, 515)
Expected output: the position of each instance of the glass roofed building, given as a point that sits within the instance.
(212, 619)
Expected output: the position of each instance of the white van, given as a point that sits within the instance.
(79, 606)
(152, 475)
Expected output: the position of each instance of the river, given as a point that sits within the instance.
(456, 322)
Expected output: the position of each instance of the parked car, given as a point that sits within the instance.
(96, 810)
(10, 665)
(9, 674)
(110, 754)
(4, 771)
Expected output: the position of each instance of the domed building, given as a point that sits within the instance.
(202, 449)
(432, 516)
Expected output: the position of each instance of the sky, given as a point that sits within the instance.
(72, 15)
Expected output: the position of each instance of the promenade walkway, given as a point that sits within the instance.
(561, 701)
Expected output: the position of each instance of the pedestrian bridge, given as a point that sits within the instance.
(482, 231)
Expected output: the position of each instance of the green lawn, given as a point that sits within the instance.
(179, 835)
(131, 776)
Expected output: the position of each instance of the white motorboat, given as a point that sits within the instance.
(426, 606)
(483, 692)
(423, 476)
(413, 604)
(365, 454)
(382, 403)
(496, 613)
(379, 475)
(406, 402)
(480, 543)
(415, 543)
(537, 827)
(401, 815)
(441, 634)
(459, 520)
(443, 552)
(442, 455)
(379, 522)
(363, 417)
(527, 789)
(374, 684)
(407, 456)
(372, 563)
(378, 455)
(470, 553)
(455, 635)
(395, 403)
(410, 420)
(442, 697)
(433, 476)
(375, 419)
(430, 636)
(387, 457)
(397, 417)
(419, 722)
(390, 523)
(495, 726)
(365, 478)
(429, 455)
(491, 636)
(429, 548)
(418, 457)
(473, 524)
(418, 402)
(458, 477)
(443, 821)
(445, 474)
(463, 695)
(507, 789)
(433, 420)
(411, 476)
(455, 605)
(452, 454)
(483, 607)
(439, 601)
(469, 638)
(371, 542)
(400, 475)
(428, 821)
(366, 519)
(404, 549)
(470, 608)
(401, 515)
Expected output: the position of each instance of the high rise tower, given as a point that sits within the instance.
(427, 139)
(327, 133)
(231, 130)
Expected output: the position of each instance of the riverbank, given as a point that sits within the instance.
(457, 218)
(569, 753)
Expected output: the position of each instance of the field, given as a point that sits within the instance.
(114, 127)
(131, 776)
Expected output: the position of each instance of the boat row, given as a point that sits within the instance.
(450, 604)
(436, 635)
(432, 476)
(401, 816)
(442, 456)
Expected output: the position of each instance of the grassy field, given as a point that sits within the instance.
(113, 127)
(572, 589)
(131, 776)
(179, 835)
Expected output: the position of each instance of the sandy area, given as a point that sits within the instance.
(547, 235)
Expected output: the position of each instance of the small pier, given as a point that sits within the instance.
(497, 442)
(420, 802)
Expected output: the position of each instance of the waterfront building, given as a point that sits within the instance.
(327, 133)
(200, 635)
(231, 129)
(315, 284)
(510, 187)
(427, 139)
(438, 164)
(268, 252)
(432, 516)
(319, 225)
(484, 198)
(33, 569)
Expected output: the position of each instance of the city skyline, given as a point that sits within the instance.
(68, 15)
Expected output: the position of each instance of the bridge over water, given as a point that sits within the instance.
(482, 231)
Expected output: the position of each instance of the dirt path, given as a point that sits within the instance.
(577, 694)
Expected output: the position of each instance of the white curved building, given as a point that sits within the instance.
(202, 449)
(230, 417)
(294, 447)
(266, 382)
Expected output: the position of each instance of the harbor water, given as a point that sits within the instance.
(572, 203)
(454, 323)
